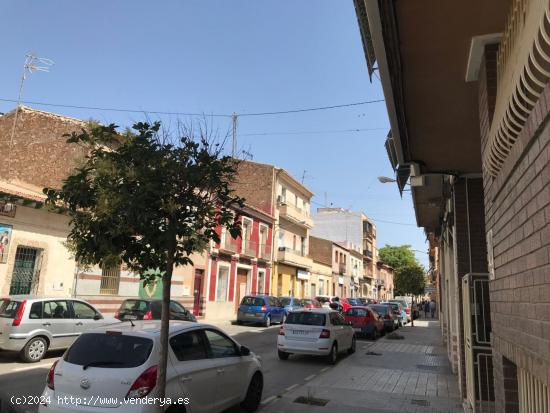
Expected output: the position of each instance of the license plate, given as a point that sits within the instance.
(358, 330)
(299, 332)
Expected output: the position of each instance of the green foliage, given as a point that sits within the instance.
(409, 280)
(144, 202)
(397, 256)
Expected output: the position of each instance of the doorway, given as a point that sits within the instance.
(197, 292)
(242, 285)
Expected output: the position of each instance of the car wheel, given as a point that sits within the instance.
(267, 321)
(333, 355)
(253, 394)
(34, 350)
(282, 355)
(351, 350)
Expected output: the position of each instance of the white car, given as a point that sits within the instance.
(319, 331)
(114, 369)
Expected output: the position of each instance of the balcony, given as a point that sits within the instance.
(295, 214)
(341, 268)
(293, 257)
(522, 74)
(367, 254)
(249, 248)
(229, 245)
(265, 252)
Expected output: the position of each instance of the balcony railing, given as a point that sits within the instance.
(341, 268)
(298, 215)
(265, 252)
(229, 244)
(249, 248)
(523, 71)
(295, 257)
(367, 253)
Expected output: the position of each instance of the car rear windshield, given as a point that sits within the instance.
(357, 312)
(109, 351)
(380, 309)
(306, 319)
(8, 308)
(253, 301)
(323, 299)
(284, 301)
(134, 305)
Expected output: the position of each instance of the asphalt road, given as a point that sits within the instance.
(21, 379)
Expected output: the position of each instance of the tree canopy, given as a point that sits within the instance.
(409, 280)
(140, 200)
(397, 256)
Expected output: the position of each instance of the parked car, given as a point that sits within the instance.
(406, 307)
(343, 303)
(260, 309)
(399, 311)
(324, 300)
(32, 325)
(150, 309)
(319, 331)
(365, 321)
(119, 363)
(354, 301)
(311, 303)
(290, 304)
(385, 311)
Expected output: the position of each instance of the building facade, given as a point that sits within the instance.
(469, 131)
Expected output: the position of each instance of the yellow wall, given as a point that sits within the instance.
(288, 276)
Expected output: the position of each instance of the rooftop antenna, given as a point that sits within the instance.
(32, 64)
(234, 135)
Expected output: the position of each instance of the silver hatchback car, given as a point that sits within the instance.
(32, 325)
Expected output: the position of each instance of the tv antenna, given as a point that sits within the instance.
(32, 64)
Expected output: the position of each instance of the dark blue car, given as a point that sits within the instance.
(290, 304)
(260, 309)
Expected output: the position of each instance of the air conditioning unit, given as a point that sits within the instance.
(280, 201)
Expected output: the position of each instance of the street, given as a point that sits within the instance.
(22, 379)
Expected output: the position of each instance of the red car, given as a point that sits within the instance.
(343, 302)
(311, 303)
(365, 321)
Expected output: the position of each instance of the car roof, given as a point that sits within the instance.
(37, 298)
(316, 310)
(150, 328)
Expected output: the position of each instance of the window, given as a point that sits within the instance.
(8, 308)
(274, 302)
(253, 301)
(189, 346)
(303, 246)
(36, 310)
(222, 283)
(334, 320)
(220, 345)
(261, 281)
(336, 256)
(26, 269)
(294, 242)
(110, 279)
(56, 309)
(306, 318)
(283, 195)
(83, 311)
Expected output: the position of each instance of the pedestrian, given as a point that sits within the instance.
(432, 307)
(426, 309)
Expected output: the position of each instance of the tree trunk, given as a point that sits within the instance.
(412, 311)
(164, 325)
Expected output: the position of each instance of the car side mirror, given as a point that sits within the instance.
(245, 351)
(97, 317)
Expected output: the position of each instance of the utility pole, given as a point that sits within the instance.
(234, 142)
(304, 176)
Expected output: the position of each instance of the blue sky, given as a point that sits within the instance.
(219, 56)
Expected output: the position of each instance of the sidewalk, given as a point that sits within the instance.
(410, 375)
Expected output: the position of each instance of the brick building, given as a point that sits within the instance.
(467, 94)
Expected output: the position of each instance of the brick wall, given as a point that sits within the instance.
(517, 210)
(320, 250)
(39, 154)
(255, 182)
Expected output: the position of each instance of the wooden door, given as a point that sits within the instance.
(242, 278)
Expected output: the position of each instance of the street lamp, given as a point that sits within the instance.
(385, 180)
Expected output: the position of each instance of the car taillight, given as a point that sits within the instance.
(19, 314)
(148, 315)
(325, 333)
(51, 374)
(144, 384)
(264, 308)
(281, 331)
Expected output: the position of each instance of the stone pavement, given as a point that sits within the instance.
(410, 375)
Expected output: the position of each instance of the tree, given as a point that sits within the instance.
(410, 280)
(149, 204)
(397, 256)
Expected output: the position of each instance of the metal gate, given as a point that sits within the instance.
(26, 271)
(534, 396)
(477, 339)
